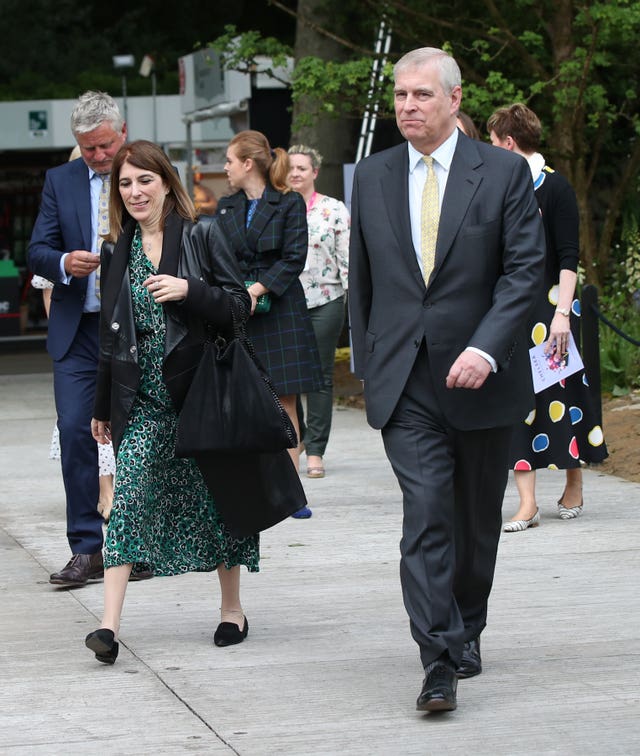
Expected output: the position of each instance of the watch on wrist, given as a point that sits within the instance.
(563, 311)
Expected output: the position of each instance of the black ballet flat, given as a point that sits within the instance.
(102, 642)
(228, 633)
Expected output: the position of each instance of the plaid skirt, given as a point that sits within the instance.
(285, 343)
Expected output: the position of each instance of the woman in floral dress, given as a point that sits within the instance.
(167, 278)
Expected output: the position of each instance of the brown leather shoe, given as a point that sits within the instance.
(79, 570)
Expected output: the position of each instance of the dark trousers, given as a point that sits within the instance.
(453, 484)
(74, 382)
(327, 321)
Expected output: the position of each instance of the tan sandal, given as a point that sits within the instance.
(315, 472)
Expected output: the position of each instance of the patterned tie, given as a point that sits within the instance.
(429, 217)
(103, 220)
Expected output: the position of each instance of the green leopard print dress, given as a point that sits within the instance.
(163, 516)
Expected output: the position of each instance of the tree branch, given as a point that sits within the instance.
(513, 41)
(320, 30)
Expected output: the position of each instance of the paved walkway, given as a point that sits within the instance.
(329, 666)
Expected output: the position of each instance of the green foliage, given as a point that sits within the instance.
(620, 303)
(243, 51)
(327, 87)
(342, 84)
(481, 100)
(59, 48)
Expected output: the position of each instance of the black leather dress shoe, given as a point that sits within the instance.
(471, 663)
(439, 688)
(79, 570)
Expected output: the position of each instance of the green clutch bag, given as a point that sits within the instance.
(264, 301)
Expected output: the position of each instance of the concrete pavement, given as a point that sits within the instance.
(329, 666)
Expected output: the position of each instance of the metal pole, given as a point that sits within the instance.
(124, 98)
(155, 111)
(591, 345)
(189, 160)
(367, 113)
(369, 118)
(376, 104)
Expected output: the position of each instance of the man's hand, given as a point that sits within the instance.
(81, 263)
(469, 371)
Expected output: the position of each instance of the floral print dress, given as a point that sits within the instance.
(163, 516)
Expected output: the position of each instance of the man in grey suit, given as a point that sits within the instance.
(447, 254)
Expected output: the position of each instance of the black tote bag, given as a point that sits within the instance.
(232, 405)
(252, 491)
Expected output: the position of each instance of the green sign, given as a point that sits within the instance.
(38, 120)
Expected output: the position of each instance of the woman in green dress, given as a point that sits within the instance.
(165, 279)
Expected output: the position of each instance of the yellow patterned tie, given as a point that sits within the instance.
(103, 220)
(429, 217)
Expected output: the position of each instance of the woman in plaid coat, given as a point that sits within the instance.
(266, 225)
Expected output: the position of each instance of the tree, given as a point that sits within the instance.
(575, 63)
(59, 48)
(335, 145)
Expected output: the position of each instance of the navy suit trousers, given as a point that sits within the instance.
(74, 380)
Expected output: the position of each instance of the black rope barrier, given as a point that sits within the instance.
(613, 327)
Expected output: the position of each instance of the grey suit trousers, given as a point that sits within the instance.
(453, 484)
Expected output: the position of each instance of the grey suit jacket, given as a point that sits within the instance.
(488, 270)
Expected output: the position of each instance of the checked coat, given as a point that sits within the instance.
(273, 251)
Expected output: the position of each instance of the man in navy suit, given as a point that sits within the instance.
(65, 248)
(446, 258)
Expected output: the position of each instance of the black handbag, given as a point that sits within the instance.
(231, 404)
(252, 491)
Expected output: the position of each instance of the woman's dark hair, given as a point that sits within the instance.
(149, 157)
(468, 126)
(273, 164)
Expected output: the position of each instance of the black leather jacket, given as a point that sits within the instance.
(198, 252)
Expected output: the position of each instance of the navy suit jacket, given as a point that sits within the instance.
(488, 270)
(63, 224)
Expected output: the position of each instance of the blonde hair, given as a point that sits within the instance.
(273, 164)
(149, 157)
(313, 155)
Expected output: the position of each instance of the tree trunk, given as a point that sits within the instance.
(334, 138)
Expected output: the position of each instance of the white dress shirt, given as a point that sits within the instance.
(91, 302)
